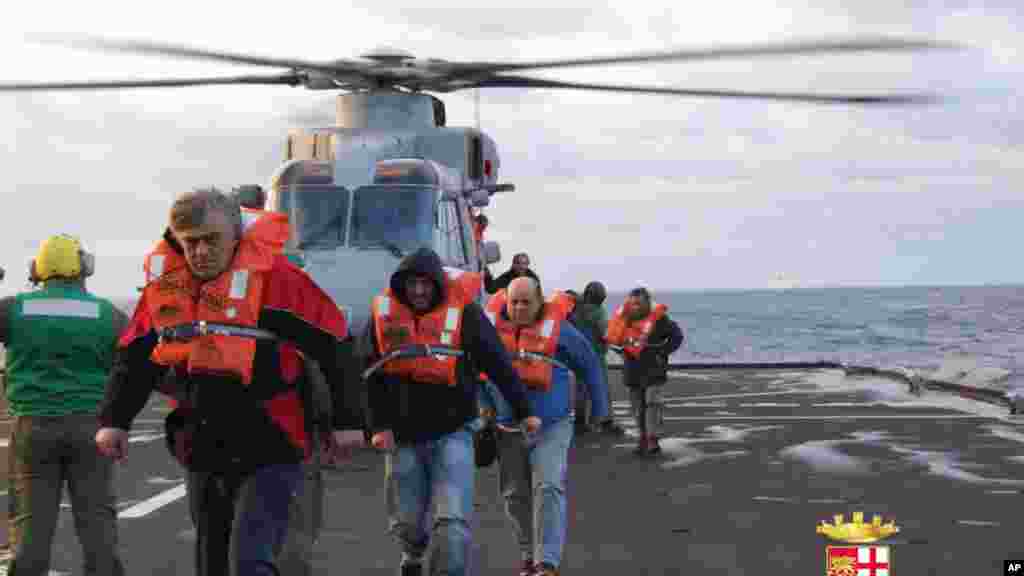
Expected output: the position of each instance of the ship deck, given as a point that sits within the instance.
(753, 461)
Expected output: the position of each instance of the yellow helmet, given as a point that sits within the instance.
(61, 256)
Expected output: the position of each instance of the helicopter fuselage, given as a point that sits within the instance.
(358, 198)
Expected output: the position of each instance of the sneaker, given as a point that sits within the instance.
(611, 427)
(411, 570)
(546, 569)
(528, 568)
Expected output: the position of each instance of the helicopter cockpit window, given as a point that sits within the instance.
(451, 230)
(318, 215)
(402, 215)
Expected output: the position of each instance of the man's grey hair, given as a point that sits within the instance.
(190, 208)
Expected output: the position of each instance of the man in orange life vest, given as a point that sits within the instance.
(533, 474)
(648, 336)
(423, 411)
(240, 425)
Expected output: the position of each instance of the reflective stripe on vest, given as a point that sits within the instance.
(61, 307)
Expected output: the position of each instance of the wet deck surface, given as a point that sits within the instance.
(752, 462)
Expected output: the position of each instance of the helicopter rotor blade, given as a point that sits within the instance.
(714, 53)
(184, 52)
(528, 82)
(286, 79)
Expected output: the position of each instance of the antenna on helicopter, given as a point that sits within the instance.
(476, 105)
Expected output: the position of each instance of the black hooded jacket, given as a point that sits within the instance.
(418, 412)
(651, 368)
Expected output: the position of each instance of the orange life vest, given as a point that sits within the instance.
(562, 302)
(396, 326)
(557, 304)
(469, 283)
(541, 337)
(632, 336)
(496, 302)
(174, 296)
(478, 231)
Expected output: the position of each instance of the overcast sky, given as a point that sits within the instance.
(669, 192)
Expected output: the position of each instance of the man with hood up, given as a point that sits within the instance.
(423, 411)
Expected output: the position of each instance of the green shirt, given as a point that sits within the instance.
(60, 344)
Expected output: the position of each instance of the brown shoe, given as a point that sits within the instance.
(641, 446)
(528, 568)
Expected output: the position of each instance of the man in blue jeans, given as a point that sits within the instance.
(423, 411)
(533, 469)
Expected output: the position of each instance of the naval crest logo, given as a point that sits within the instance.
(858, 560)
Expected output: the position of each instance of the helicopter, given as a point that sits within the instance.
(391, 176)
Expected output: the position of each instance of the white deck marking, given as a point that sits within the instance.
(1002, 492)
(145, 437)
(155, 503)
(775, 499)
(141, 437)
(5, 555)
(977, 523)
(836, 417)
(670, 399)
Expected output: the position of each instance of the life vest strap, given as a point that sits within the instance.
(527, 355)
(199, 328)
(411, 351)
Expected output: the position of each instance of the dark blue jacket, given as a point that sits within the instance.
(418, 412)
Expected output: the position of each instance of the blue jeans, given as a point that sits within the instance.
(242, 520)
(533, 483)
(433, 478)
(490, 398)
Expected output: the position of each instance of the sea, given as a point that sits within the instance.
(948, 332)
(936, 330)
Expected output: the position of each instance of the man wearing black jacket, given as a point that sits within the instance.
(648, 336)
(520, 267)
(239, 423)
(424, 411)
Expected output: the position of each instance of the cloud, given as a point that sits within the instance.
(673, 192)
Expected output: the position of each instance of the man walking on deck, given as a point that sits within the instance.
(533, 469)
(647, 336)
(591, 320)
(60, 343)
(239, 426)
(424, 412)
